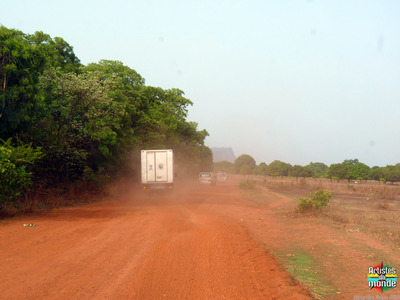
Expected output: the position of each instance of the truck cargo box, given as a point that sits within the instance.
(157, 168)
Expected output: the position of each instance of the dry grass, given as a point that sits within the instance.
(367, 206)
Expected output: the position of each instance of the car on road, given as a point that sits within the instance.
(207, 178)
(221, 176)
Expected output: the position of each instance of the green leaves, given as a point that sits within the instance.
(298, 171)
(23, 58)
(86, 119)
(244, 164)
(16, 164)
(318, 201)
(81, 113)
(341, 171)
(317, 169)
(278, 168)
(123, 75)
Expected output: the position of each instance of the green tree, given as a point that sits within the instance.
(79, 129)
(350, 162)
(16, 164)
(359, 171)
(23, 58)
(244, 160)
(298, 171)
(339, 171)
(88, 119)
(317, 169)
(127, 79)
(245, 170)
(376, 173)
(20, 67)
(278, 168)
(262, 169)
(56, 53)
(224, 166)
(391, 173)
(205, 158)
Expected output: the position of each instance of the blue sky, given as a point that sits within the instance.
(297, 81)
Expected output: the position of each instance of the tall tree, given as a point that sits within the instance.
(339, 171)
(20, 67)
(23, 59)
(278, 168)
(80, 127)
(351, 162)
(316, 169)
(57, 53)
(359, 171)
(376, 173)
(298, 171)
(244, 164)
(262, 169)
(391, 173)
(88, 119)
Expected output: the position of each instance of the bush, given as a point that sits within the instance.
(246, 185)
(15, 170)
(95, 181)
(320, 199)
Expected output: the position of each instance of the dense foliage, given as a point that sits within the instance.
(244, 164)
(86, 121)
(15, 170)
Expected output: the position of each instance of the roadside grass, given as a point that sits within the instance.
(246, 185)
(374, 254)
(257, 197)
(291, 196)
(370, 207)
(369, 217)
(304, 268)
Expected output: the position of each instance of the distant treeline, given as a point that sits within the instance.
(350, 169)
(65, 123)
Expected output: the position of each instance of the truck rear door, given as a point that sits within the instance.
(161, 166)
(157, 166)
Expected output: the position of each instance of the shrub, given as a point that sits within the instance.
(94, 180)
(15, 170)
(320, 199)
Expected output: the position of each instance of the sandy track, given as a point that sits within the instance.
(159, 247)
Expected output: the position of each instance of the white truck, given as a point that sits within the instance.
(157, 169)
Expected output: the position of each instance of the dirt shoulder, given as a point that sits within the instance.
(133, 246)
(332, 258)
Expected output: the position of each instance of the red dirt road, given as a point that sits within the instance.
(162, 246)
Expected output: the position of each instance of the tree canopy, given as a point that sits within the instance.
(278, 168)
(244, 164)
(316, 169)
(86, 120)
(298, 171)
(349, 169)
